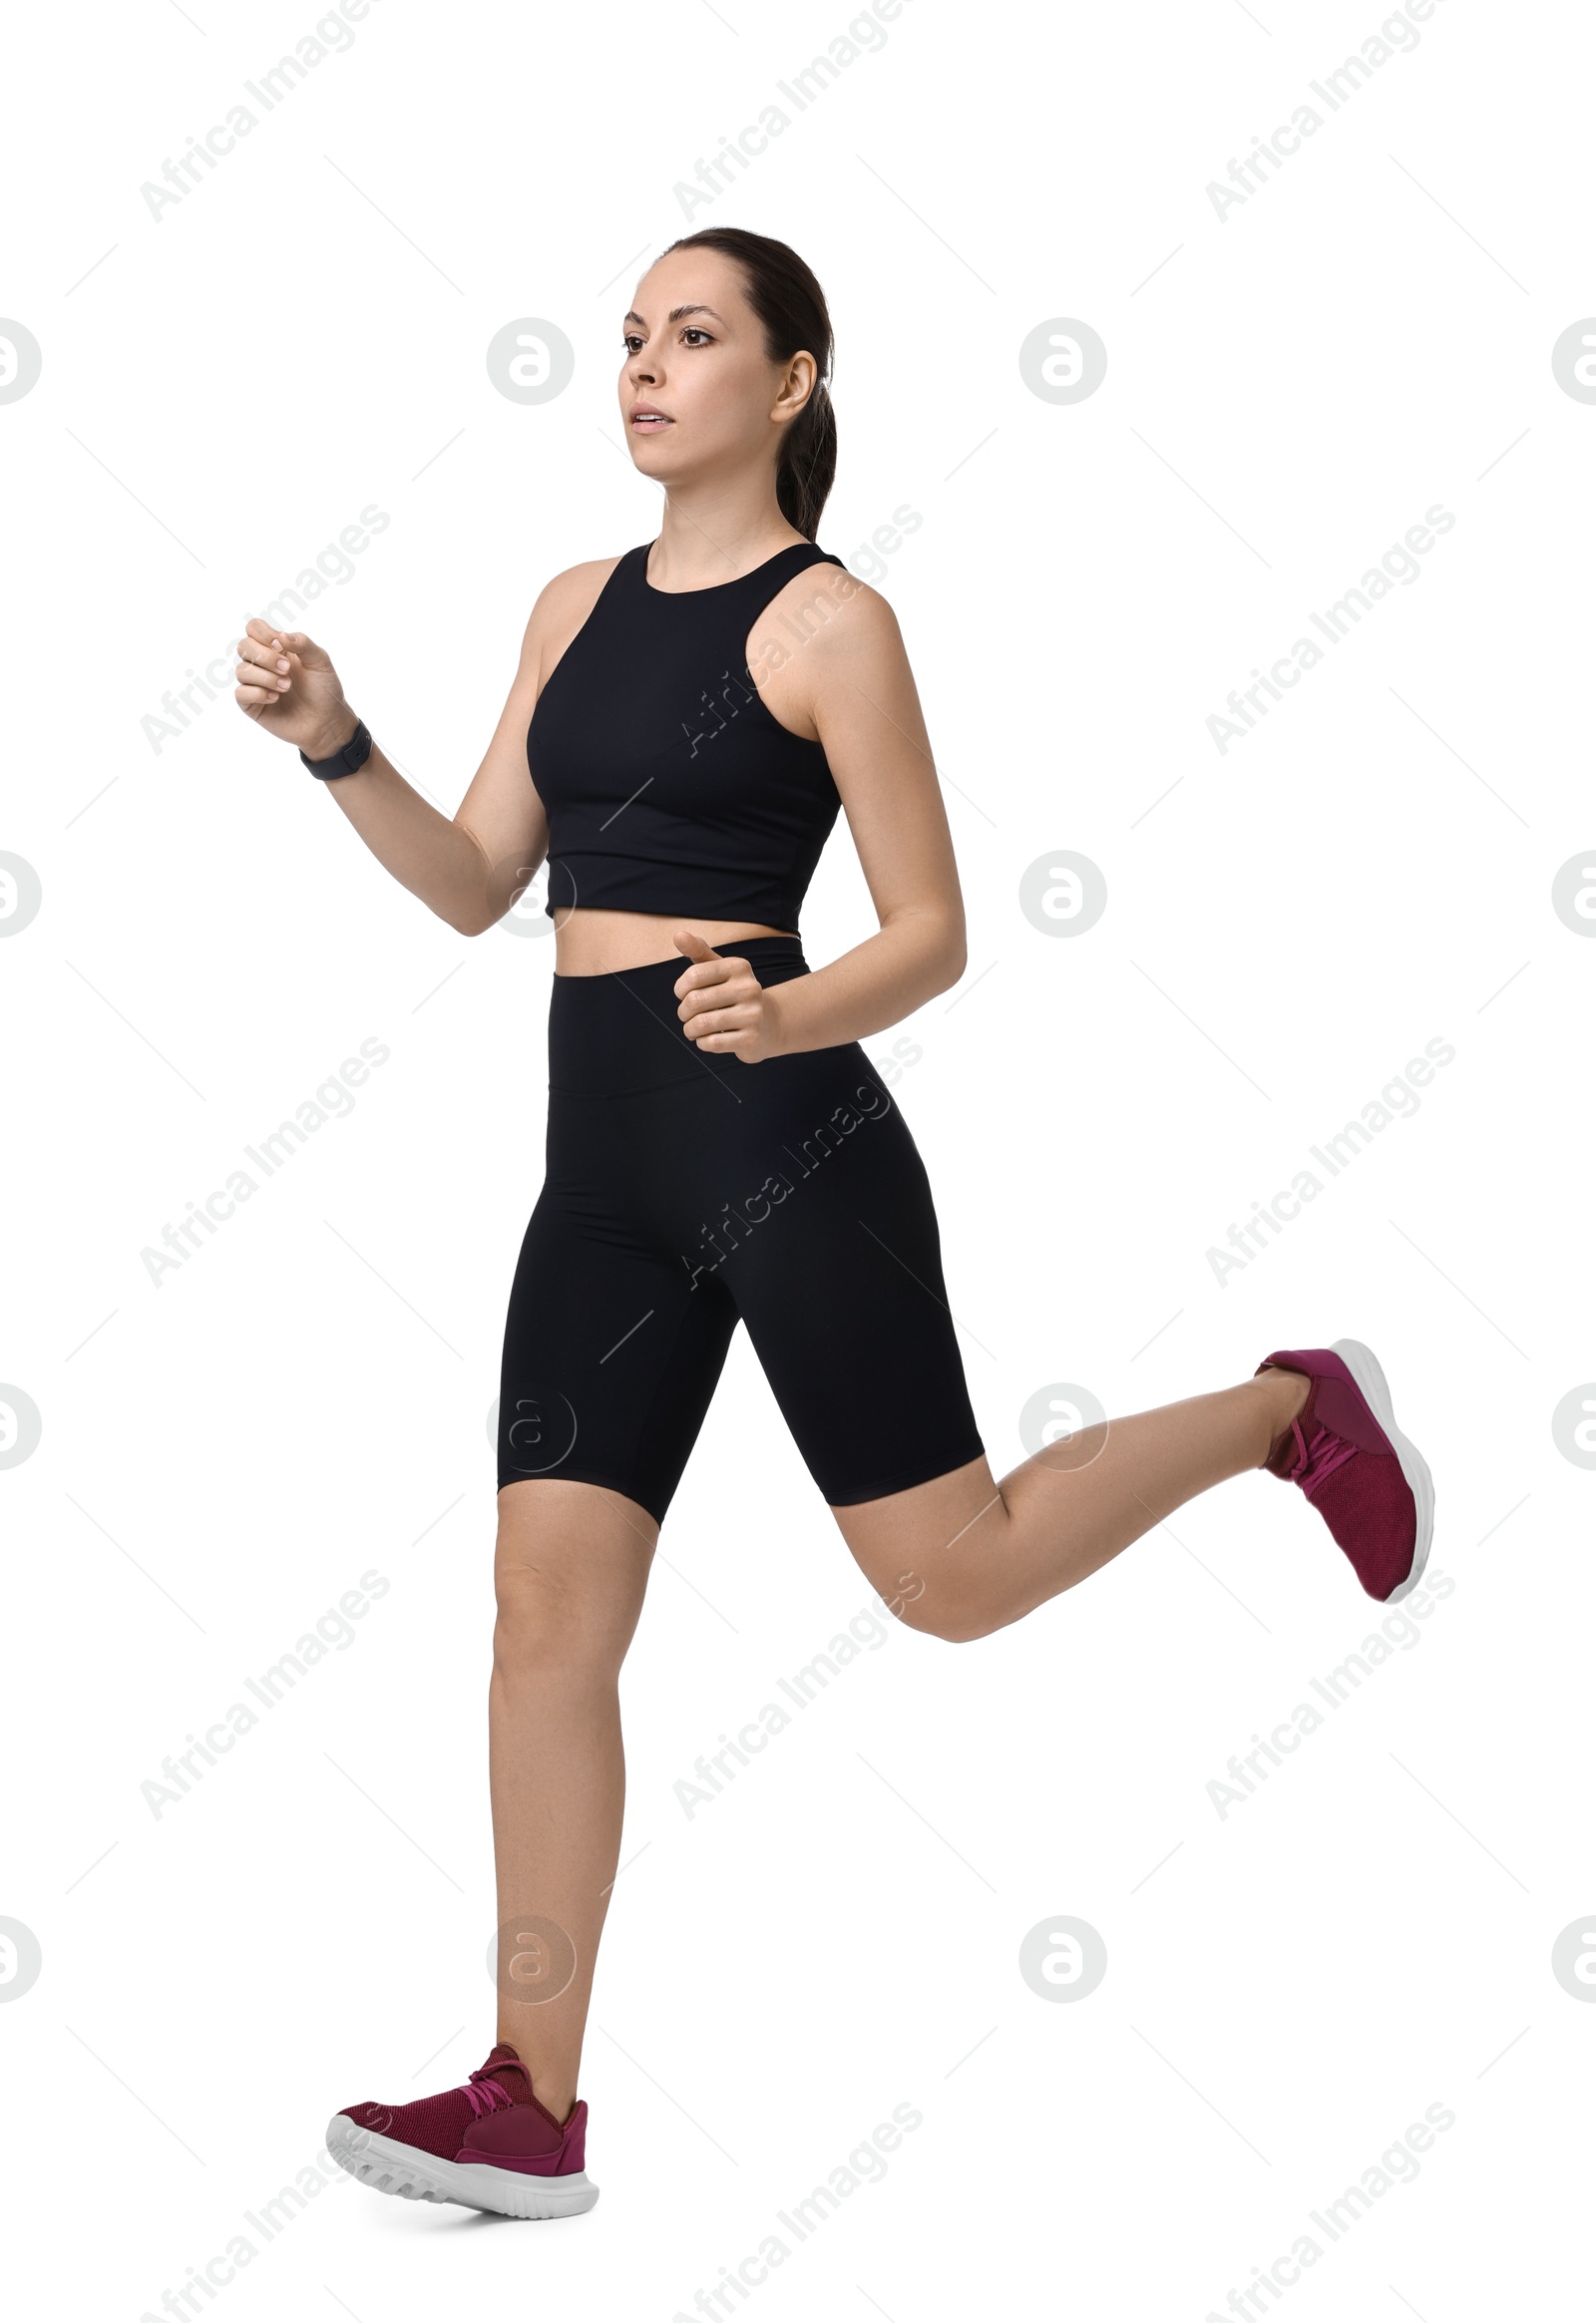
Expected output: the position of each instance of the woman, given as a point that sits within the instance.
(692, 714)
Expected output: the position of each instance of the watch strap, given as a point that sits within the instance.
(349, 760)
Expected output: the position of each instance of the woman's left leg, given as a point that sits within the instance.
(961, 1556)
(836, 1269)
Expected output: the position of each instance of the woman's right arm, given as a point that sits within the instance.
(468, 870)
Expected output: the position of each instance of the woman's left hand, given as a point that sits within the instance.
(723, 1004)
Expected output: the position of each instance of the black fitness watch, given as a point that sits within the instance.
(352, 756)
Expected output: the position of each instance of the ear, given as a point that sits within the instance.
(798, 389)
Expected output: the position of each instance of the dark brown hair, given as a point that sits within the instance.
(791, 307)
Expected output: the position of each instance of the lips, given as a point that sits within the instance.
(647, 420)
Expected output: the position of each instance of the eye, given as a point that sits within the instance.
(692, 331)
(631, 341)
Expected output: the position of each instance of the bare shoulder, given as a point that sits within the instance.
(825, 615)
(826, 636)
(577, 587)
(561, 608)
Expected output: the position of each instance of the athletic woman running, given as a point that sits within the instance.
(720, 1148)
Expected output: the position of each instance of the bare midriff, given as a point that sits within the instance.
(594, 943)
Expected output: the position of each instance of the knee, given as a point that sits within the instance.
(936, 1611)
(550, 1626)
(955, 1624)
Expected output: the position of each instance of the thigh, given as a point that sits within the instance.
(839, 1280)
(610, 1355)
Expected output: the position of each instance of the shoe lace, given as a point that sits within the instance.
(482, 2094)
(1317, 1456)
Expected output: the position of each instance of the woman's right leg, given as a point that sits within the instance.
(571, 1569)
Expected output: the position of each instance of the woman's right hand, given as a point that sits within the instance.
(287, 684)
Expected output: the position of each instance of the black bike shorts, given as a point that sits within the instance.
(685, 1191)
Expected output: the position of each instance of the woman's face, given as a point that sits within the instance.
(696, 354)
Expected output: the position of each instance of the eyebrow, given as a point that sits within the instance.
(675, 316)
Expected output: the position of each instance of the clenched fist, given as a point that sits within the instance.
(725, 1007)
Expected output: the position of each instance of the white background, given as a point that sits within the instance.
(1289, 389)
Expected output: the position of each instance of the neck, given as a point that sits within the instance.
(710, 535)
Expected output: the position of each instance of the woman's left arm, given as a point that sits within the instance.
(852, 681)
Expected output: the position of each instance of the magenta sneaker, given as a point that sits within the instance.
(1367, 1482)
(487, 2145)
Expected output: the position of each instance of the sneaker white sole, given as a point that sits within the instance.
(1360, 1360)
(391, 2167)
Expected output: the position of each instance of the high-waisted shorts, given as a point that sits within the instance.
(684, 1191)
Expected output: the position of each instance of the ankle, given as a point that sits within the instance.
(1283, 1395)
(550, 2089)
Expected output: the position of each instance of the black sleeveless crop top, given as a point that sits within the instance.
(668, 784)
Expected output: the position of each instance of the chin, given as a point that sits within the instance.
(651, 457)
